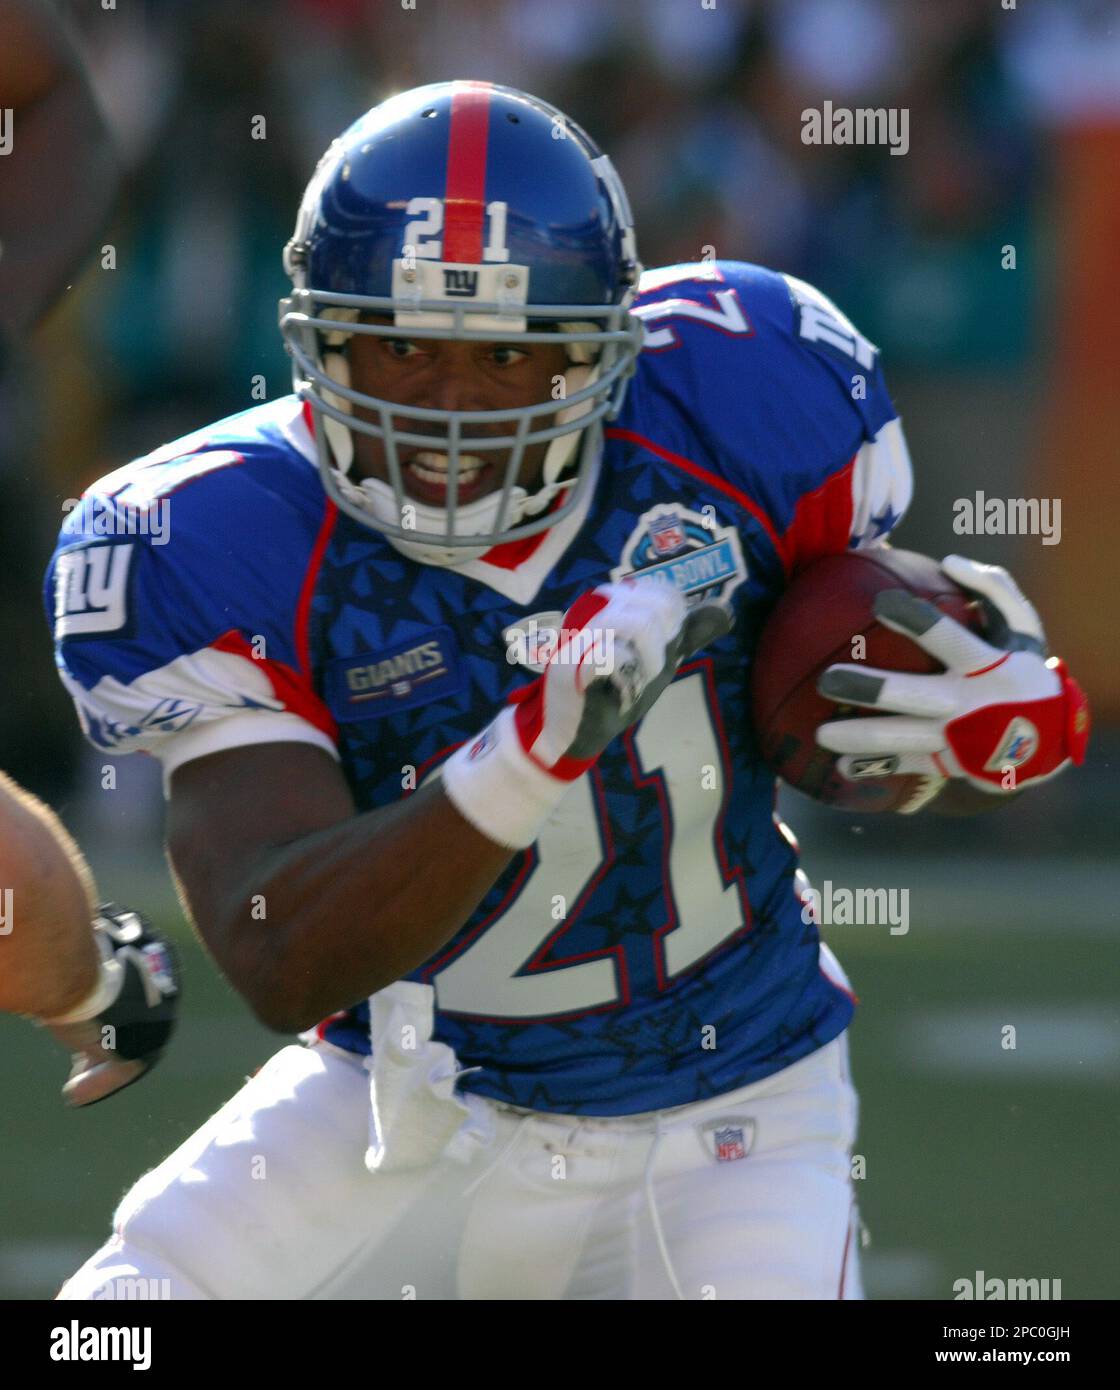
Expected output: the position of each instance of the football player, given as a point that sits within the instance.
(446, 662)
(108, 995)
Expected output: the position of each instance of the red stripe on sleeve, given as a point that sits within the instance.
(465, 190)
(291, 688)
(822, 522)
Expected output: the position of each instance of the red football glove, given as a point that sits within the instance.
(1001, 716)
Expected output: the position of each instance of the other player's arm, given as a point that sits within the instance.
(48, 959)
(104, 984)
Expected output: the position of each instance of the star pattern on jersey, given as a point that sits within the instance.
(629, 916)
(644, 1051)
(690, 437)
(878, 525)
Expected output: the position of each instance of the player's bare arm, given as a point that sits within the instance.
(304, 903)
(350, 902)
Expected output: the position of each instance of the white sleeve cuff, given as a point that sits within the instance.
(237, 731)
(492, 783)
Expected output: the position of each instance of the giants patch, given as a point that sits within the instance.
(91, 590)
(411, 673)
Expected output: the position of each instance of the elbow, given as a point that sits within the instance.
(283, 1007)
(259, 972)
(277, 1016)
(279, 1007)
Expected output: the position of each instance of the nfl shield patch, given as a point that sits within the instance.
(667, 534)
(729, 1138)
(729, 1144)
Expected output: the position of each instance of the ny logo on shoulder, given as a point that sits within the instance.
(91, 590)
(823, 325)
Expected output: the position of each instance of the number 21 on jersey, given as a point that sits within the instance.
(500, 973)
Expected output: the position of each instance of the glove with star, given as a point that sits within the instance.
(1001, 716)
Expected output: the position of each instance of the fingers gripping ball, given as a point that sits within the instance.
(827, 616)
(1000, 717)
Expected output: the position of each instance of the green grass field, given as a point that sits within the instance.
(977, 1157)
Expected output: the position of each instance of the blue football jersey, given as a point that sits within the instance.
(649, 949)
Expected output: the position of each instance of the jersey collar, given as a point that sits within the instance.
(516, 569)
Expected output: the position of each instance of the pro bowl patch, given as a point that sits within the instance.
(410, 673)
(674, 544)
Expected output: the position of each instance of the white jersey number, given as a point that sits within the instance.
(423, 233)
(677, 740)
(725, 314)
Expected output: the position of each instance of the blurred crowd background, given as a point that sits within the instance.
(1007, 379)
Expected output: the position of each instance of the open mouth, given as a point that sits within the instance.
(427, 474)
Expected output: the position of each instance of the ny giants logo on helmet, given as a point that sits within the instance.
(462, 283)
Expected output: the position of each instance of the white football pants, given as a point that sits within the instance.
(743, 1196)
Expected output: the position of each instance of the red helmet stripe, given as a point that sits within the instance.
(465, 191)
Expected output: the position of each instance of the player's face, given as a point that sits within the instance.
(441, 374)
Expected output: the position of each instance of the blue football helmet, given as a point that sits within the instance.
(473, 212)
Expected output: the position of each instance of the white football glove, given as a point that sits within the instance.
(621, 645)
(1001, 716)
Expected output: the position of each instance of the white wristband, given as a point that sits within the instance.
(492, 783)
(109, 980)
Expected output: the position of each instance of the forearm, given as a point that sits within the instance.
(343, 912)
(48, 959)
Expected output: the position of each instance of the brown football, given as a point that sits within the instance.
(814, 625)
